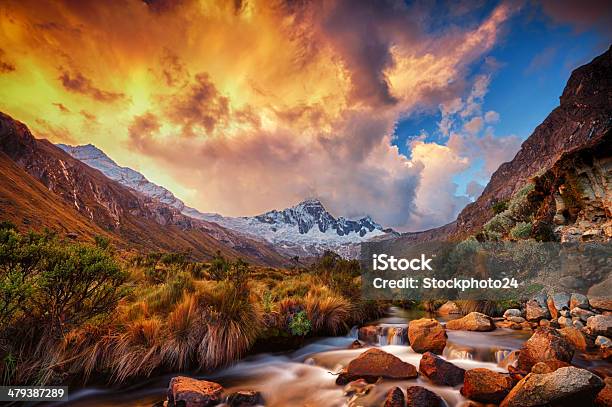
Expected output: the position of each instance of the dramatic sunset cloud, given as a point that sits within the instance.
(240, 107)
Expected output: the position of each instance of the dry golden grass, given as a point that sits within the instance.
(185, 330)
(328, 313)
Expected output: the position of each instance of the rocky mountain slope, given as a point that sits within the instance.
(581, 122)
(305, 229)
(583, 119)
(101, 204)
(96, 158)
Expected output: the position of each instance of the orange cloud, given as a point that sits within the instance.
(241, 107)
(79, 84)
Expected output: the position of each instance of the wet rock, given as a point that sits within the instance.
(604, 398)
(516, 320)
(360, 387)
(565, 386)
(368, 334)
(535, 311)
(511, 359)
(427, 335)
(577, 324)
(545, 344)
(474, 321)
(601, 303)
(448, 308)
(549, 366)
(375, 363)
(188, 392)
(578, 301)
(583, 314)
(564, 322)
(439, 371)
(508, 324)
(486, 386)
(603, 342)
(395, 398)
(245, 398)
(575, 338)
(512, 312)
(343, 378)
(417, 396)
(355, 345)
(600, 325)
(544, 322)
(516, 374)
(557, 302)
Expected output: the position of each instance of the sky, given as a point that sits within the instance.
(399, 110)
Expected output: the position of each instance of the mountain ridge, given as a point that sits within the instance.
(133, 219)
(306, 228)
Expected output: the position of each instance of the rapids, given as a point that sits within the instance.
(304, 377)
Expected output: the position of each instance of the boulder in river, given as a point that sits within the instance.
(600, 325)
(603, 342)
(513, 312)
(375, 363)
(245, 398)
(601, 303)
(604, 398)
(575, 337)
(448, 308)
(535, 311)
(439, 371)
(187, 392)
(474, 321)
(581, 313)
(486, 386)
(565, 386)
(427, 335)
(578, 300)
(395, 398)
(557, 302)
(545, 344)
(418, 396)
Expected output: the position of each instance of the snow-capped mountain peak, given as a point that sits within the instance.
(306, 228)
(96, 158)
(311, 213)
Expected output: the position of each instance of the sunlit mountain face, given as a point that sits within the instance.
(398, 110)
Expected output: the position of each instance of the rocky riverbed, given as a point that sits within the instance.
(553, 351)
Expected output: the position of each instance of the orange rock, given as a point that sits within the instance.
(427, 335)
(377, 363)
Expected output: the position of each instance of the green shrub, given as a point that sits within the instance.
(519, 207)
(521, 230)
(500, 223)
(218, 268)
(499, 207)
(102, 242)
(300, 324)
(55, 283)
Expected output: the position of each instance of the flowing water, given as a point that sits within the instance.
(304, 377)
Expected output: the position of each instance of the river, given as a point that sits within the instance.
(304, 378)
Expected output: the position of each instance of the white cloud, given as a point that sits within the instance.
(491, 116)
(474, 125)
